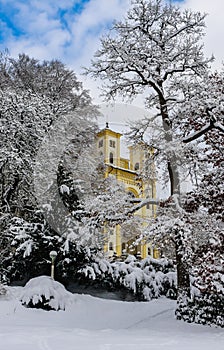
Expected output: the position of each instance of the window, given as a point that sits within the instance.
(111, 158)
(100, 143)
(131, 194)
(136, 166)
(112, 143)
(111, 246)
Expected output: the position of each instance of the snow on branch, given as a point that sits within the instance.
(219, 127)
(202, 131)
(123, 216)
(199, 133)
(190, 25)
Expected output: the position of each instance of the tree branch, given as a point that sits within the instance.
(199, 133)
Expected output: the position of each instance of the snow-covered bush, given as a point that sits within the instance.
(25, 248)
(206, 305)
(146, 279)
(45, 293)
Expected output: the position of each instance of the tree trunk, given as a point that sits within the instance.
(171, 162)
(183, 278)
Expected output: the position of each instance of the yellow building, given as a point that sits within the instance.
(127, 171)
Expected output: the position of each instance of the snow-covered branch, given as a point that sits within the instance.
(194, 136)
(219, 126)
(199, 133)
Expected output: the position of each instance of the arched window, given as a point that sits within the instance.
(131, 194)
(111, 158)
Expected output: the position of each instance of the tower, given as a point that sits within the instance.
(108, 144)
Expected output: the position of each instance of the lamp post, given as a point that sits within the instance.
(53, 254)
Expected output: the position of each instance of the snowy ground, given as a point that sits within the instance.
(97, 324)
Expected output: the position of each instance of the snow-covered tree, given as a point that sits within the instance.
(157, 51)
(34, 96)
(207, 300)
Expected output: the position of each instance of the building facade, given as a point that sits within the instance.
(126, 171)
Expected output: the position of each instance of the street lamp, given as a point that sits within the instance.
(53, 255)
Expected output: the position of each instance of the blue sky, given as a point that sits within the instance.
(55, 29)
(69, 30)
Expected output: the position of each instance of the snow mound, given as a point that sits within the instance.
(45, 293)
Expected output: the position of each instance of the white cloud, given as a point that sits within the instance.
(97, 14)
(90, 25)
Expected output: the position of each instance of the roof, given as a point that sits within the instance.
(109, 131)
